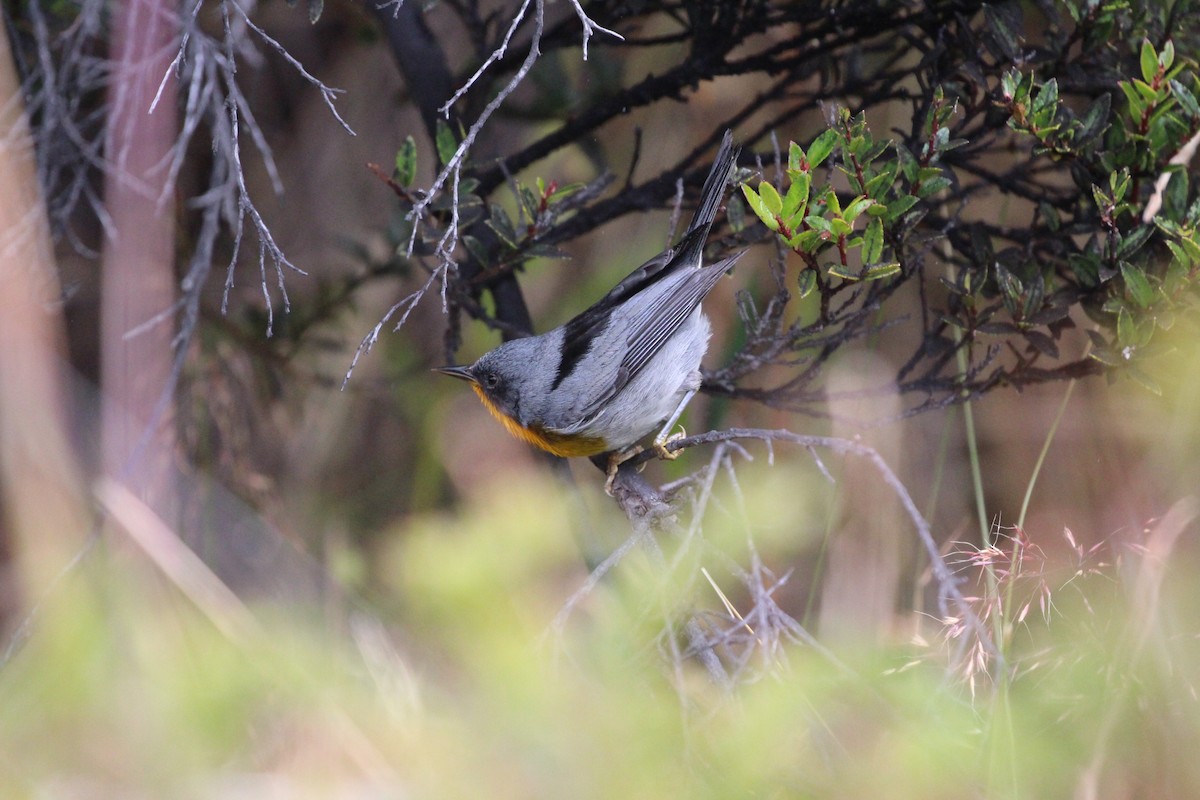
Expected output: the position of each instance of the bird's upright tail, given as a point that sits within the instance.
(692, 243)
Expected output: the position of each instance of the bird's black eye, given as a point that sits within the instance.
(491, 380)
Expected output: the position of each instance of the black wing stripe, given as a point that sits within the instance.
(578, 335)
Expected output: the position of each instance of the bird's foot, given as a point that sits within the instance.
(662, 440)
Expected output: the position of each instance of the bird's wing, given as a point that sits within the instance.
(581, 331)
(657, 319)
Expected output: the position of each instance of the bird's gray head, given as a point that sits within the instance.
(514, 377)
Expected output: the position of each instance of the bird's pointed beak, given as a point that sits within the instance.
(462, 373)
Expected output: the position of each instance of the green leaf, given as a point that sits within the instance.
(1167, 57)
(797, 194)
(476, 249)
(735, 213)
(770, 198)
(445, 142)
(563, 192)
(908, 164)
(406, 162)
(808, 241)
(1186, 99)
(1180, 256)
(873, 241)
(760, 208)
(1009, 81)
(877, 271)
(1136, 104)
(857, 207)
(502, 225)
(1118, 182)
(806, 281)
(1148, 92)
(1149, 61)
(821, 147)
(529, 203)
(832, 204)
(840, 227)
(818, 223)
(1011, 288)
(933, 186)
(1046, 103)
(1133, 241)
(878, 185)
(1007, 39)
(795, 157)
(1192, 249)
(1095, 120)
(1126, 332)
(844, 272)
(1050, 214)
(899, 206)
(1105, 356)
(1137, 284)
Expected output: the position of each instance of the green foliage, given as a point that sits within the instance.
(1123, 247)
(1140, 267)
(812, 221)
(406, 162)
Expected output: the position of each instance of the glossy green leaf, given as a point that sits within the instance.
(933, 186)
(1167, 57)
(844, 272)
(770, 197)
(759, 207)
(873, 241)
(806, 281)
(821, 147)
(502, 225)
(445, 142)
(1133, 241)
(796, 158)
(406, 162)
(1149, 61)
(878, 271)
(857, 207)
(797, 194)
(1137, 284)
(1136, 104)
(1046, 102)
(899, 206)
(1187, 100)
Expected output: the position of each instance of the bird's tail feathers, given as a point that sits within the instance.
(710, 199)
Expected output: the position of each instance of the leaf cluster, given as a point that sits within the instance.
(1035, 180)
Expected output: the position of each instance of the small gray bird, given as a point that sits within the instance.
(608, 377)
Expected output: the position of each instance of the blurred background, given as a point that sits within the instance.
(293, 584)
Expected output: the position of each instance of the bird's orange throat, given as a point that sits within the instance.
(551, 442)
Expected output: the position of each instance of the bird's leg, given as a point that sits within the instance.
(665, 436)
(615, 459)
